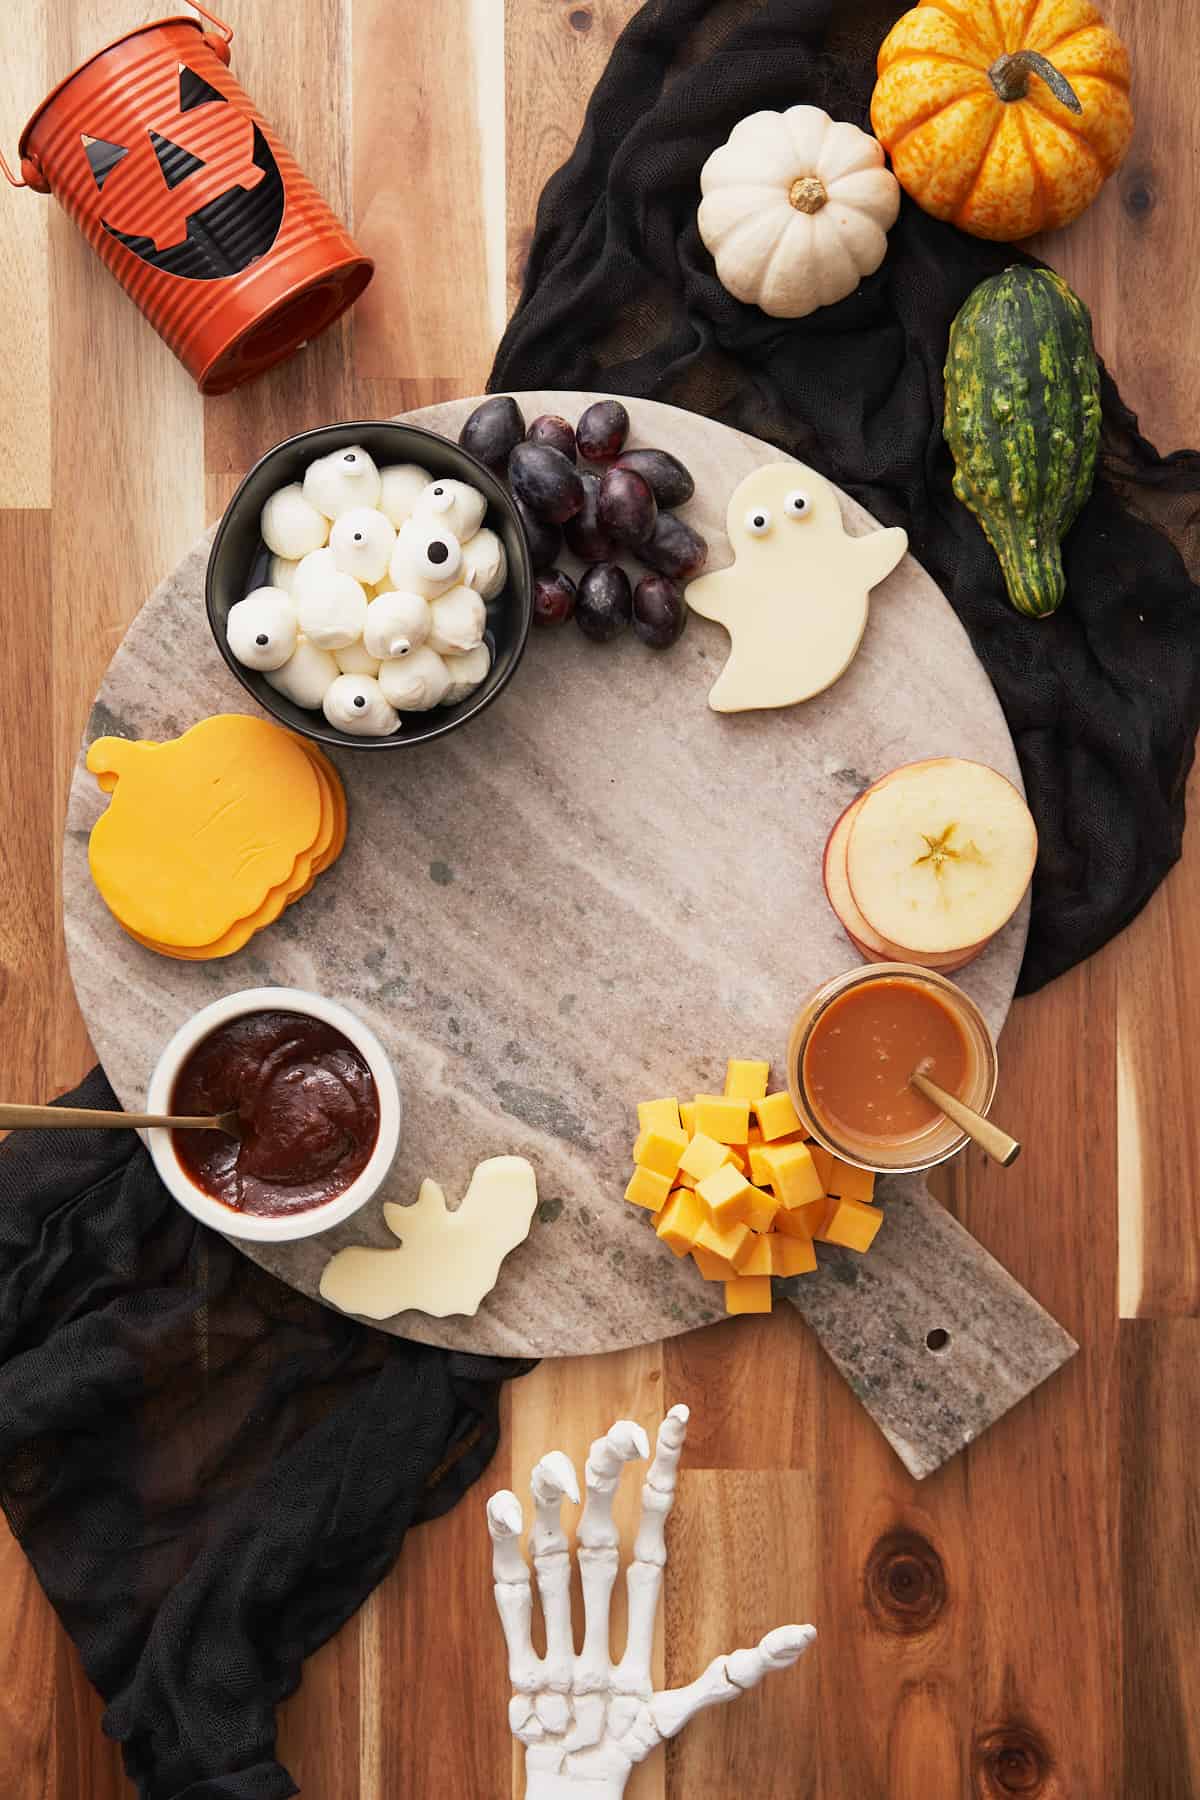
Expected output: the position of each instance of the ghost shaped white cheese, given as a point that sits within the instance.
(459, 621)
(341, 481)
(452, 505)
(396, 623)
(361, 541)
(426, 560)
(333, 613)
(262, 629)
(306, 675)
(356, 703)
(355, 659)
(400, 484)
(281, 573)
(484, 564)
(466, 671)
(415, 682)
(291, 525)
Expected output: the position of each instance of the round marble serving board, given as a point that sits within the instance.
(594, 894)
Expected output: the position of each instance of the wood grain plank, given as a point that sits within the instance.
(754, 1386)
(28, 1692)
(24, 273)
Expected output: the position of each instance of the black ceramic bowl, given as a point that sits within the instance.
(238, 561)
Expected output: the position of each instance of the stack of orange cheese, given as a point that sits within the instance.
(733, 1182)
(207, 838)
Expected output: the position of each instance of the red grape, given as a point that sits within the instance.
(552, 429)
(626, 508)
(604, 603)
(668, 480)
(659, 611)
(545, 541)
(602, 430)
(583, 533)
(674, 549)
(493, 429)
(553, 597)
(547, 483)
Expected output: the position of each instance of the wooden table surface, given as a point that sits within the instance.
(1022, 1623)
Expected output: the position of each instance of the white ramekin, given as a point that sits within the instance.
(261, 1228)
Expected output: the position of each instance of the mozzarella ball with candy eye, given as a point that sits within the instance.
(305, 676)
(459, 620)
(426, 560)
(401, 485)
(355, 659)
(452, 505)
(356, 703)
(341, 481)
(291, 525)
(361, 541)
(313, 572)
(416, 682)
(396, 624)
(332, 615)
(281, 573)
(466, 671)
(262, 629)
(484, 564)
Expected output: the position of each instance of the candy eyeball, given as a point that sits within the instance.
(459, 621)
(281, 573)
(484, 564)
(467, 671)
(344, 479)
(357, 704)
(797, 505)
(333, 615)
(416, 682)
(361, 541)
(426, 560)
(291, 525)
(355, 659)
(452, 504)
(305, 677)
(757, 522)
(262, 629)
(401, 485)
(396, 624)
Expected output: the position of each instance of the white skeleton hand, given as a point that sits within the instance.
(584, 1722)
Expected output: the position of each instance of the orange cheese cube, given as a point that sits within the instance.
(803, 1221)
(754, 1136)
(703, 1156)
(648, 1189)
(823, 1160)
(728, 1196)
(794, 1177)
(746, 1080)
(760, 1258)
(853, 1224)
(776, 1115)
(738, 1158)
(727, 1120)
(764, 1211)
(850, 1183)
(712, 1267)
(680, 1220)
(760, 1174)
(733, 1242)
(658, 1115)
(748, 1294)
(687, 1116)
(659, 1150)
(793, 1256)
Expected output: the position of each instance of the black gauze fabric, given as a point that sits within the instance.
(208, 1471)
(620, 295)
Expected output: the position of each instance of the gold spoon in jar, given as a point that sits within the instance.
(996, 1143)
(71, 1118)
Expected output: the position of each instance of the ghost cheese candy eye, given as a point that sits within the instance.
(396, 624)
(426, 560)
(757, 521)
(797, 504)
(262, 629)
(451, 506)
(291, 525)
(337, 483)
(357, 704)
(333, 613)
(361, 541)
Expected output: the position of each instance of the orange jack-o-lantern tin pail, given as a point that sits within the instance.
(182, 188)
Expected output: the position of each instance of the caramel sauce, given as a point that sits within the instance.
(866, 1044)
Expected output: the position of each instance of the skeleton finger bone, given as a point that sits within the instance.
(599, 1547)
(553, 1480)
(728, 1676)
(514, 1596)
(644, 1576)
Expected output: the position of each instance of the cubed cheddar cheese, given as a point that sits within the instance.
(711, 1266)
(746, 1080)
(748, 1294)
(733, 1242)
(725, 1119)
(852, 1224)
(659, 1150)
(658, 1115)
(824, 1162)
(729, 1197)
(794, 1177)
(793, 1256)
(703, 1156)
(754, 1136)
(648, 1189)
(777, 1117)
(738, 1158)
(680, 1220)
(687, 1116)
(760, 1173)
(849, 1183)
(763, 1211)
(760, 1258)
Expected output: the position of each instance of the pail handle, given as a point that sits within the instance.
(224, 31)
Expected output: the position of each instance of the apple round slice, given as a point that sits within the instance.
(870, 946)
(939, 855)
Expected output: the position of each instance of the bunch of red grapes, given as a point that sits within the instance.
(618, 503)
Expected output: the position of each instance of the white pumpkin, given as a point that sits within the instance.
(796, 209)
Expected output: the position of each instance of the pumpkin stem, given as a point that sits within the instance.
(807, 194)
(1009, 75)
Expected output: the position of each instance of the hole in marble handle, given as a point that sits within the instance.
(937, 1339)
